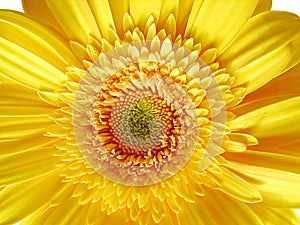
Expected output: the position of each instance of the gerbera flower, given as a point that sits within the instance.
(149, 112)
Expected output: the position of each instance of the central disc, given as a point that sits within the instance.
(136, 127)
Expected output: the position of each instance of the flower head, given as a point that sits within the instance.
(149, 112)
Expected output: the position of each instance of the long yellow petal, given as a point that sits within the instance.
(9, 147)
(278, 188)
(235, 186)
(274, 124)
(38, 39)
(267, 40)
(14, 95)
(219, 21)
(263, 69)
(118, 9)
(266, 159)
(286, 84)
(103, 17)
(28, 165)
(26, 197)
(78, 22)
(27, 69)
(226, 210)
(271, 216)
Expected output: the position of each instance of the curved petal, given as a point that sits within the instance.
(267, 46)
(218, 22)
(39, 40)
(40, 11)
(278, 188)
(262, 5)
(76, 18)
(274, 124)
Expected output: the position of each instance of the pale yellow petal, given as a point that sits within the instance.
(218, 22)
(278, 188)
(274, 124)
(76, 19)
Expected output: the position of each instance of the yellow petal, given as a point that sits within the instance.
(278, 188)
(16, 95)
(70, 211)
(103, 17)
(290, 150)
(286, 85)
(39, 10)
(118, 10)
(196, 213)
(18, 146)
(184, 11)
(27, 69)
(236, 187)
(274, 124)
(266, 159)
(141, 10)
(263, 35)
(226, 210)
(218, 22)
(263, 69)
(76, 19)
(18, 201)
(271, 216)
(262, 5)
(37, 39)
(27, 165)
(168, 8)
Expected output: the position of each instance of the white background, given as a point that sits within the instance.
(285, 5)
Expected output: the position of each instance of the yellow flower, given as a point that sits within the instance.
(149, 112)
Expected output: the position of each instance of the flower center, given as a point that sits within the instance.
(136, 127)
(145, 110)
